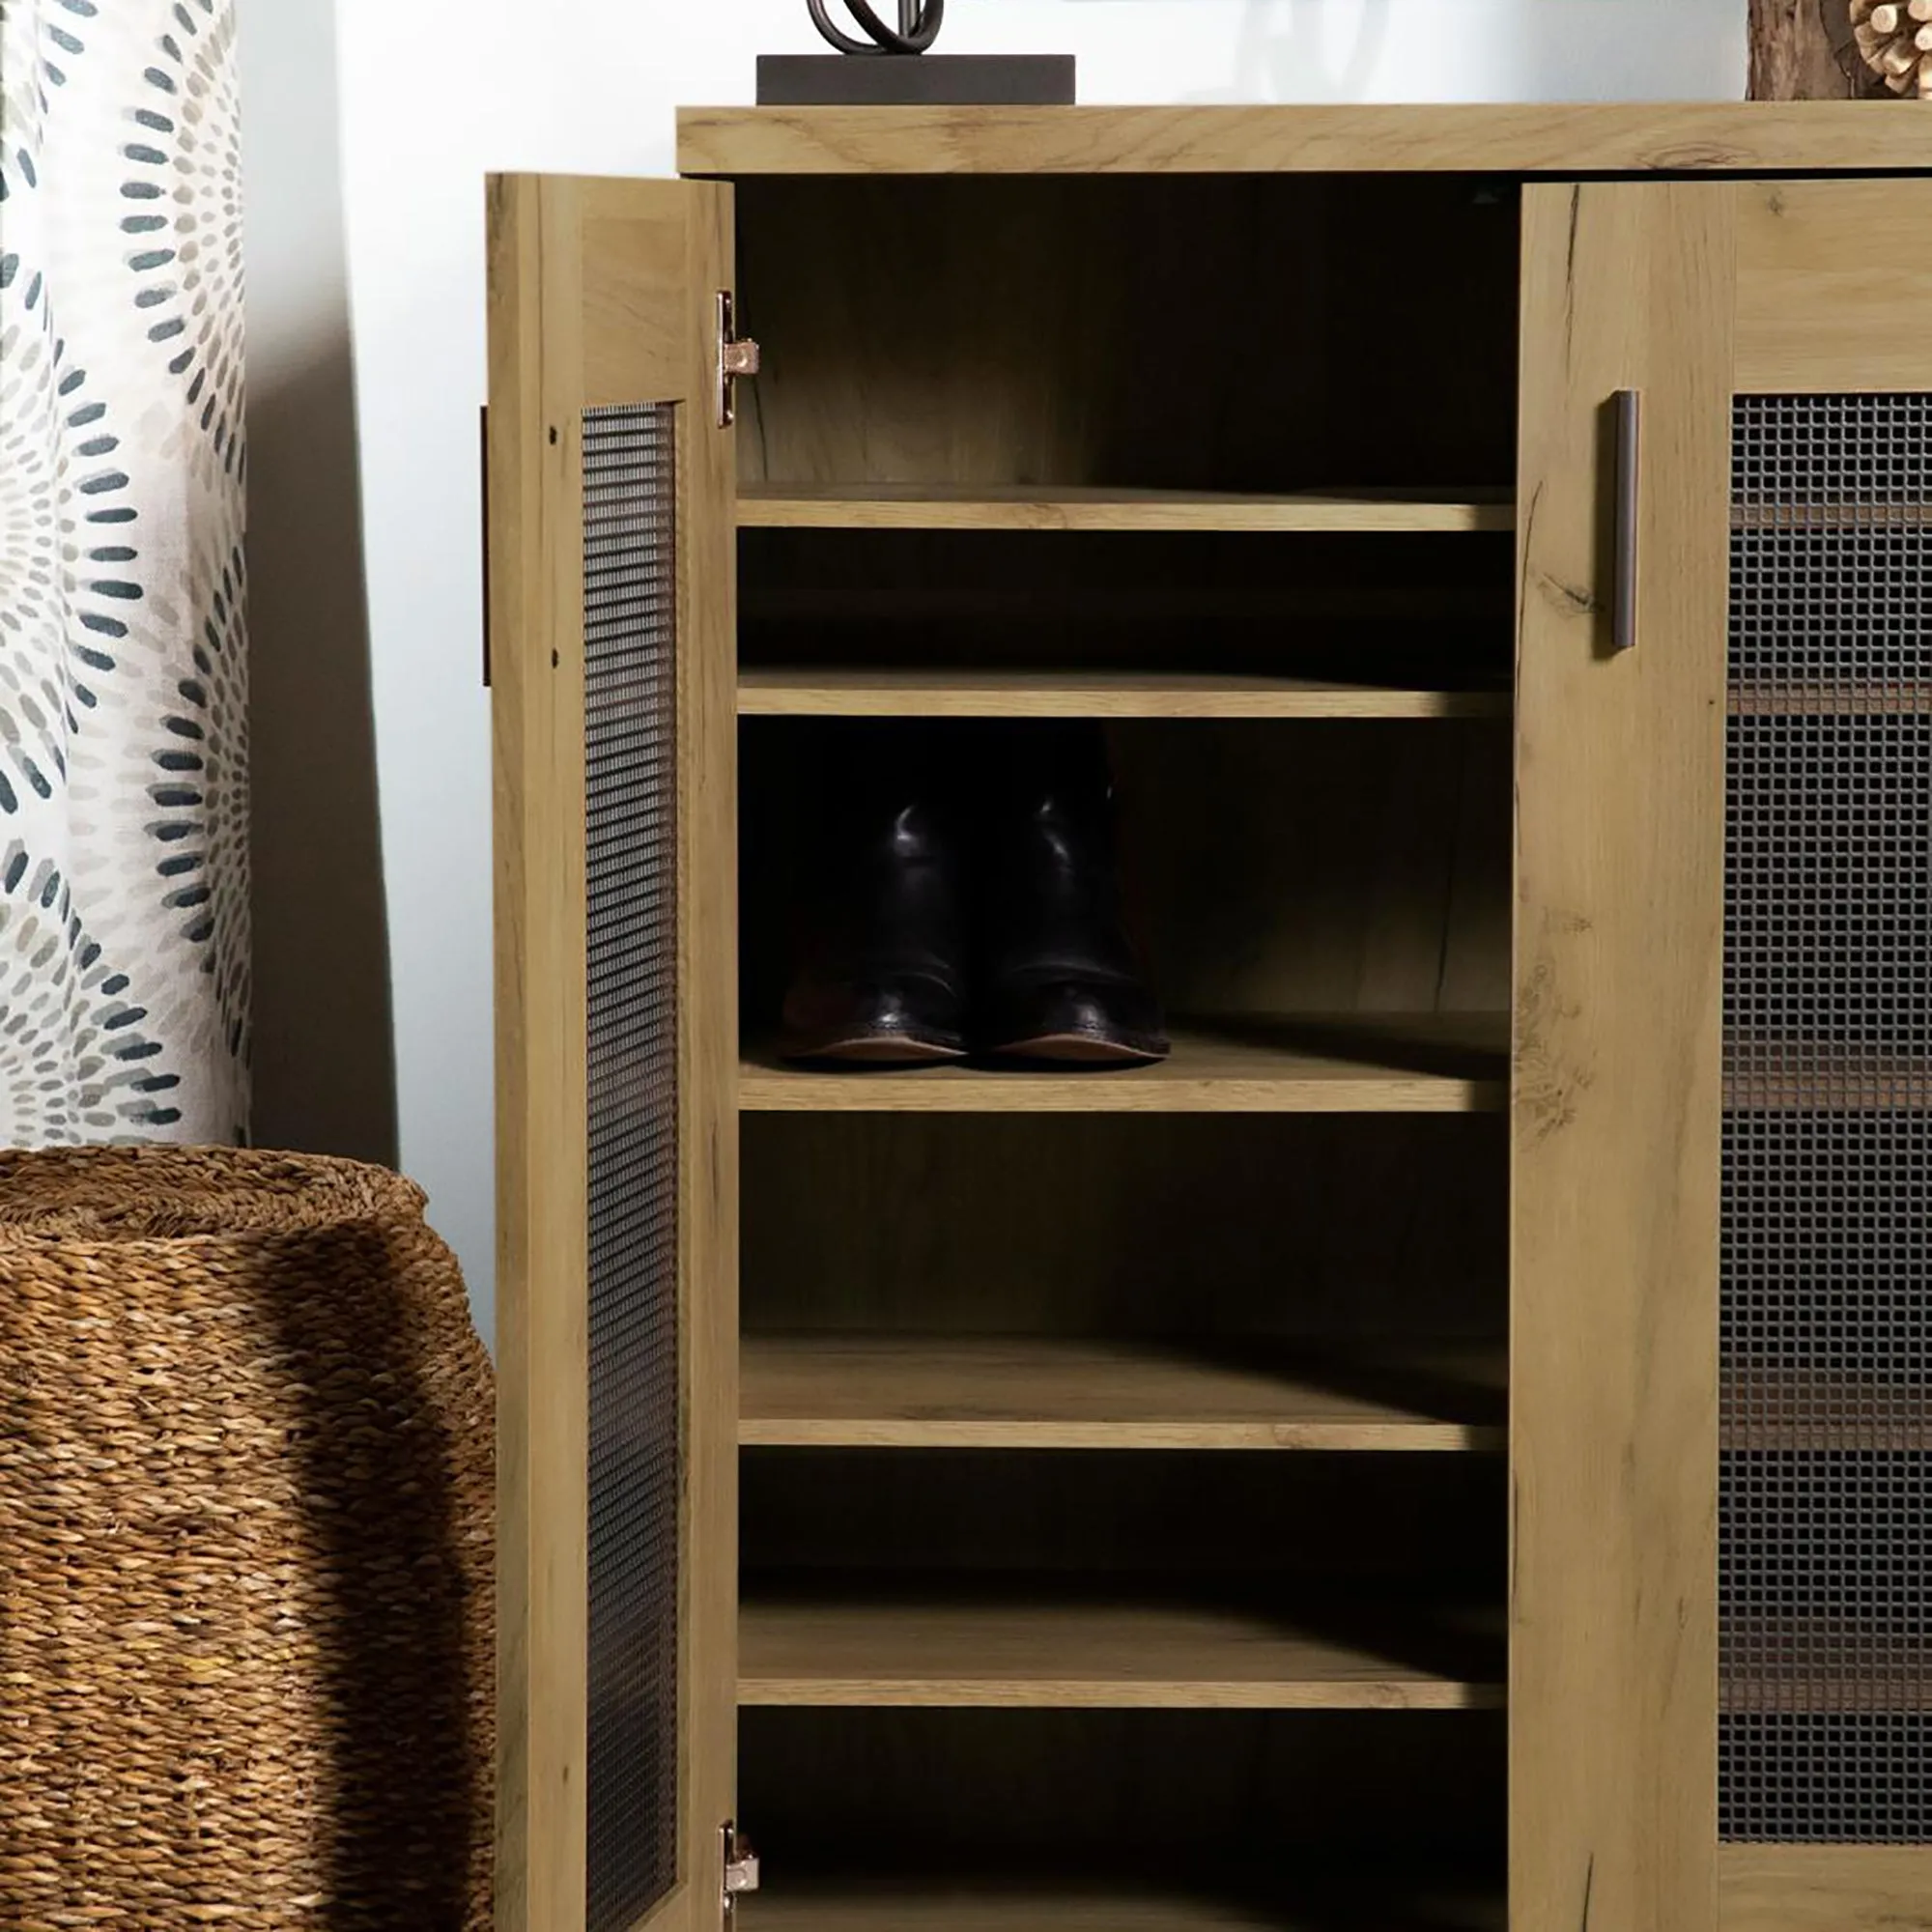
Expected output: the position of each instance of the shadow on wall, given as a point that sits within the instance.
(324, 1066)
(1348, 50)
(1295, 52)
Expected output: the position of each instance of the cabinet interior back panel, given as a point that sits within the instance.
(1826, 1695)
(1266, 332)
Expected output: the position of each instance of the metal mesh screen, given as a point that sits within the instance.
(1828, 1128)
(630, 692)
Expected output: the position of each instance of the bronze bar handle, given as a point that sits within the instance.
(1623, 608)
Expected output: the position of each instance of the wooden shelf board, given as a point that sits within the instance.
(1905, 698)
(910, 1907)
(1775, 1407)
(1894, 1087)
(1830, 516)
(1347, 1063)
(1851, 1694)
(1844, 1663)
(1040, 1392)
(1088, 1653)
(844, 506)
(983, 1905)
(970, 693)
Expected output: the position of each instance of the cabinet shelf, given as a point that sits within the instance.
(1777, 1407)
(1039, 1392)
(978, 1905)
(1347, 1063)
(1081, 1649)
(1901, 1683)
(1020, 694)
(1902, 699)
(847, 506)
(1824, 517)
(1823, 1079)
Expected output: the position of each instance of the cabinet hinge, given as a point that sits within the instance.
(737, 357)
(741, 1869)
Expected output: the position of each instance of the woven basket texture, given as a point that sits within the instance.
(246, 1525)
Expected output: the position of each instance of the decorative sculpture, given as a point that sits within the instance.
(920, 22)
(872, 69)
(1894, 39)
(1839, 50)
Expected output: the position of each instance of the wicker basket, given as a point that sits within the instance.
(246, 1642)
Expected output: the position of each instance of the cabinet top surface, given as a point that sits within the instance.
(1802, 137)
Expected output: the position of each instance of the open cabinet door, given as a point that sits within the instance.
(1721, 1377)
(1619, 926)
(611, 495)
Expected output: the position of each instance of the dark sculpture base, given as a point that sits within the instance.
(914, 80)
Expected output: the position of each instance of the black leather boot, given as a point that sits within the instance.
(882, 978)
(1058, 978)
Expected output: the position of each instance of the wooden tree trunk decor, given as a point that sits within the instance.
(1806, 50)
(1791, 53)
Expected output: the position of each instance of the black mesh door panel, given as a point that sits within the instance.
(630, 583)
(1823, 1725)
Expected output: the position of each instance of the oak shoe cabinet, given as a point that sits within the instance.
(1448, 1449)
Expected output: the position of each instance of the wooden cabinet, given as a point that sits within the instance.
(1448, 1448)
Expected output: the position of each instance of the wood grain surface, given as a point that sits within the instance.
(1105, 1653)
(1419, 1062)
(1049, 507)
(1042, 1392)
(888, 693)
(1820, 137)
(1825, 1887)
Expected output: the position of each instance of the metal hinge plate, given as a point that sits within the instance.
(737, 359)
(741, 1869)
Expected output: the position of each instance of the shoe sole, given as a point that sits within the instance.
(1081, 1049)
(874, 1049)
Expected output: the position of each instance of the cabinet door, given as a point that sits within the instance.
(1720, 1693)
(611, 570)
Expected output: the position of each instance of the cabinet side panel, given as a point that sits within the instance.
(1616, 1108)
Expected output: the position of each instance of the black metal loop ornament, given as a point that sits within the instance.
(920, 22)
(885, 72)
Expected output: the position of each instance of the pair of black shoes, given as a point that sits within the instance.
(969, 903)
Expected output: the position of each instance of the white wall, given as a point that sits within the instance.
(434, 93)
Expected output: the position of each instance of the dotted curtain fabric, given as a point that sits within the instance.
(124, 888)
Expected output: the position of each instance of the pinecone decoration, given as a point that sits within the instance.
(1894, 38)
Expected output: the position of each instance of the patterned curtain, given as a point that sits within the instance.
(123, 819)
